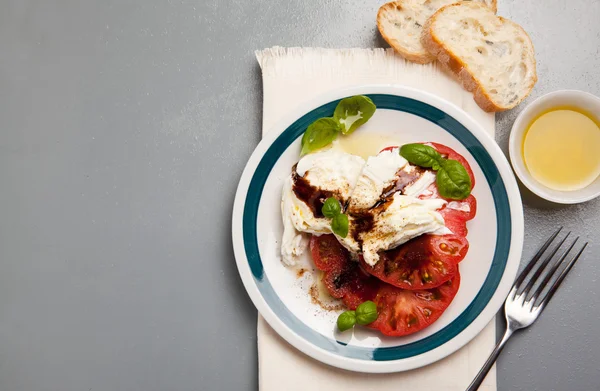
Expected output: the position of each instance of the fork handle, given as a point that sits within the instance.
(490, 361)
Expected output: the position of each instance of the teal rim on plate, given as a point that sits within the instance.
(501, 253)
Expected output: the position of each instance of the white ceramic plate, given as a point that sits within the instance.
(487, 272)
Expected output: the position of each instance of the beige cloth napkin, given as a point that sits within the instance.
(290, 77)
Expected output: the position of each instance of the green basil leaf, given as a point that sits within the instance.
(452, 180)
(331, 208)
(366, 313)
(352, 112)
(346, 320)
(339, 225)
(421, 155)
(319, 134)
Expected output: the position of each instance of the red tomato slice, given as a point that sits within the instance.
(464, 209)
(403, 312)
(425, 262)
(362, 288)
(455, 222)
(344, 278)
(452, 247)
(327, 253)
(389, 148)
(457, 213)
(455, 217)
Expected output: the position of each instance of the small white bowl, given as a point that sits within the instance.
(570, 98)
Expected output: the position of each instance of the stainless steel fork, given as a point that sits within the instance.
(524, 303)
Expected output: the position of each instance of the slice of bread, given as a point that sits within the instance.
(493, 57)
(401, 23)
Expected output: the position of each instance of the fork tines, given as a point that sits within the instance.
(527, 299)
(536, 271)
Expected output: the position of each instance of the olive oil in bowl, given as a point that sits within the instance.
(561, 149)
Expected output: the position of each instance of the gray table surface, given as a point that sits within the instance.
(124, 127)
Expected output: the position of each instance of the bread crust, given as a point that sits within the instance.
(455, 64)
(494, 6)
(421, 58)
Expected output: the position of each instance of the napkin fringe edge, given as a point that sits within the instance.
(289, 61)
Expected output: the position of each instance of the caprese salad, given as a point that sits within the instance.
(388, 233)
